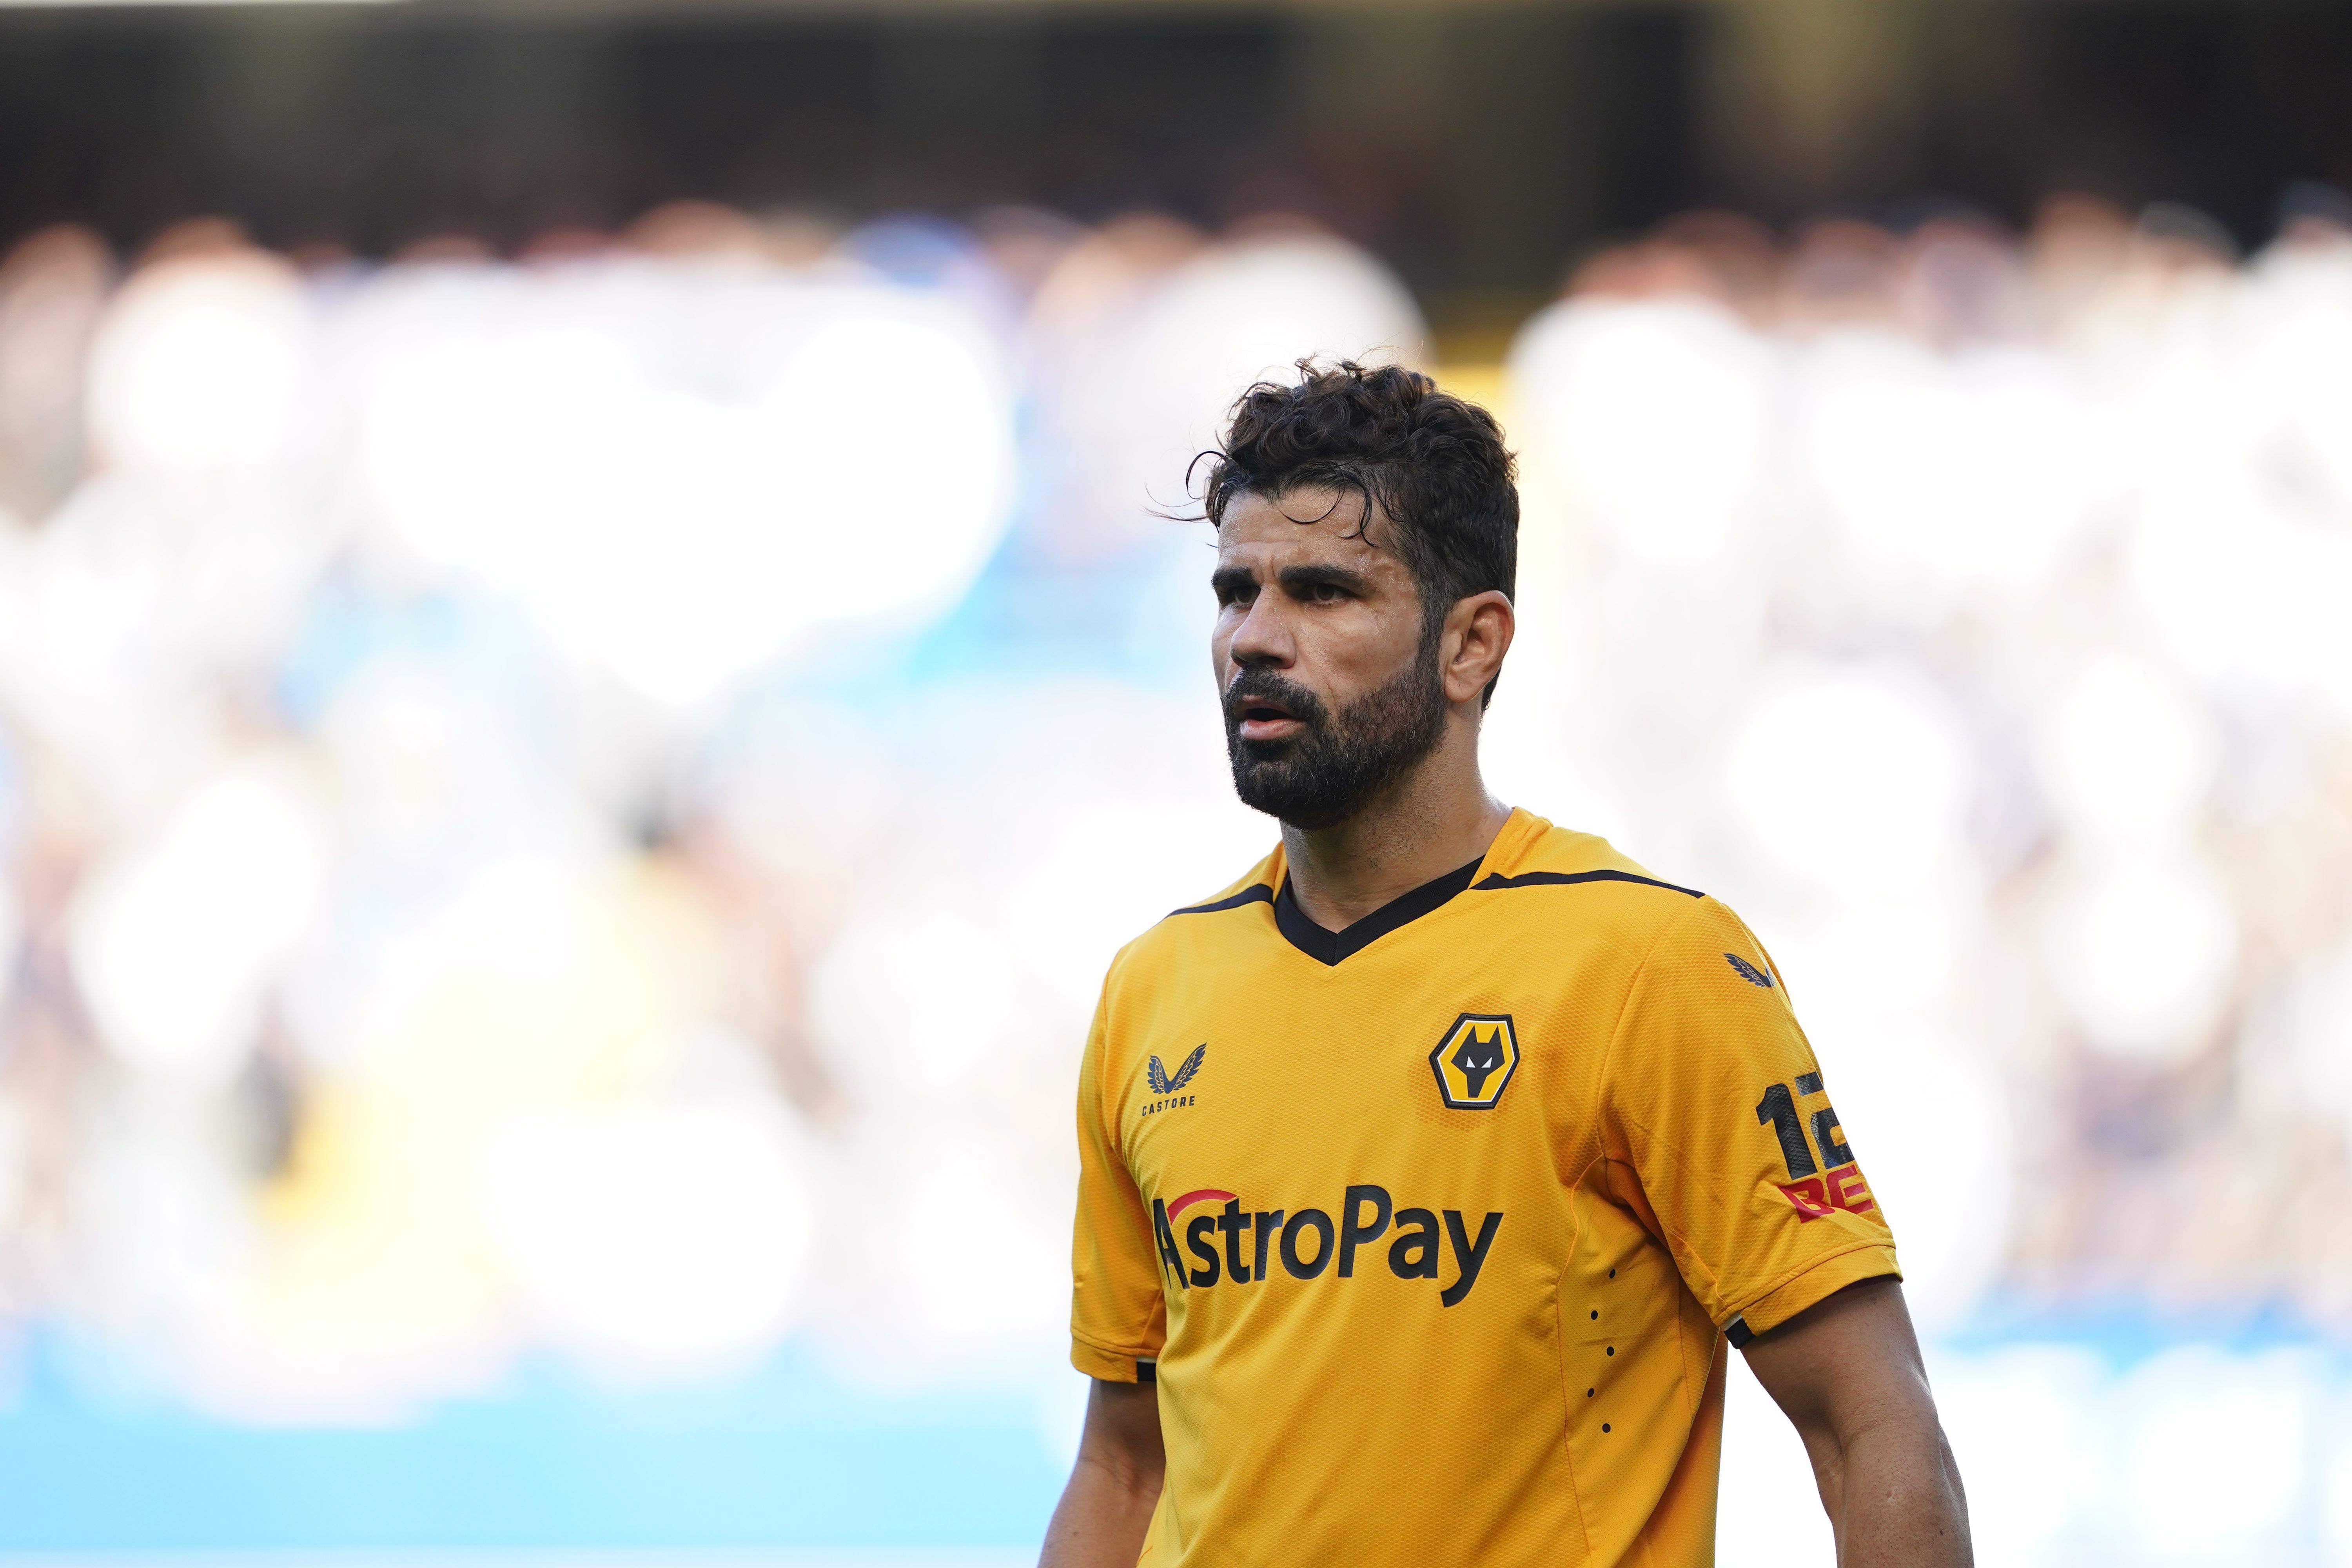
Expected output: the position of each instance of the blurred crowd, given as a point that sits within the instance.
(1967, 607)
(578, 802)
(1971, 606)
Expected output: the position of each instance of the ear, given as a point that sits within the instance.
(1478, 632)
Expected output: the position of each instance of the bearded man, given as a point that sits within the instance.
(1428, 1170)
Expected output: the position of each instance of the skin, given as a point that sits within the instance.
(1846, 1373)
(1107, 1505)
(1322, 603)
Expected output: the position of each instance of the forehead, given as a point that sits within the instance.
(1312, 523)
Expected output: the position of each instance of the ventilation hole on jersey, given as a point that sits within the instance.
(1596, 1312)
(1589, 1393)
(1613, 1274)
(1604, 1426)
(1613, 1349)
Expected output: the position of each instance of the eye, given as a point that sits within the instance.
(1326, 594)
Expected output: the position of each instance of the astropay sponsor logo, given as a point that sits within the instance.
(1308, 1242)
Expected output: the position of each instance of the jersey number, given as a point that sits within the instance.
(1778, 1108)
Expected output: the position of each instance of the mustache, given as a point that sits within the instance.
(1252, 687)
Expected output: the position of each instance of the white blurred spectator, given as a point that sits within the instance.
(1659, 414)
(1854, 779)
(200, 367)
(176, 940)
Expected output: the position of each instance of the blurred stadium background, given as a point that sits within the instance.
(587, 683)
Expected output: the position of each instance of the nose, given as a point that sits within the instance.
(1263, 640)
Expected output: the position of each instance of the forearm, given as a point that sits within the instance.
(1103, 1514)
(1893, 1498)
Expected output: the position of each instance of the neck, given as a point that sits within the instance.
(1434, 818)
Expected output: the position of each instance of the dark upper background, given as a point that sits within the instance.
(1479, 147)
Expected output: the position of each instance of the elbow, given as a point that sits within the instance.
(1130, 1470)
(1951, 1464)
(1906, 1451)
(1138, 1481)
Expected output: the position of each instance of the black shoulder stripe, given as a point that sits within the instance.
(1557, 879)
(1256, 893)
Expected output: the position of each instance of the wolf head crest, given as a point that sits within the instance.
(1479, 1058)
(1475, 1059)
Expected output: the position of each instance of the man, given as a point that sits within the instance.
(1427, 1169)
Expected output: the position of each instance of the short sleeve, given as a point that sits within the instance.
(1118, 1316)
(1721, 1134)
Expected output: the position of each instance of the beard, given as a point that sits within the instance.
(1339, 762)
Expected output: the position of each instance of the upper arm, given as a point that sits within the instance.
(1117, 1312)
(1721, 1135)
(1845, 1365)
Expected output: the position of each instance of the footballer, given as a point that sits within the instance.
(1428, 1169)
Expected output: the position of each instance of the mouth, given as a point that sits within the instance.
(1262, 718)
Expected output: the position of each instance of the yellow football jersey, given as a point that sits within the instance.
(1431, 1230)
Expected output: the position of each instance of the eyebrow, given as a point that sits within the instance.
(1297, 581)
(1228, 580)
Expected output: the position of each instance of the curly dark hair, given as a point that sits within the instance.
(1434, 466)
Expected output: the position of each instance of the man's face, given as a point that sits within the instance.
(1331, 687)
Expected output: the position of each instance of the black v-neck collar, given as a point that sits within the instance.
(1331, 946)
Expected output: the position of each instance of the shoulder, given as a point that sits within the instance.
(1564, 881)
(1557, 873)
(1255, 886)
(1229, 913)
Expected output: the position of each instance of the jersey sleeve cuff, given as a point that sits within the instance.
(1111, 1367)
(1814, 1285)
